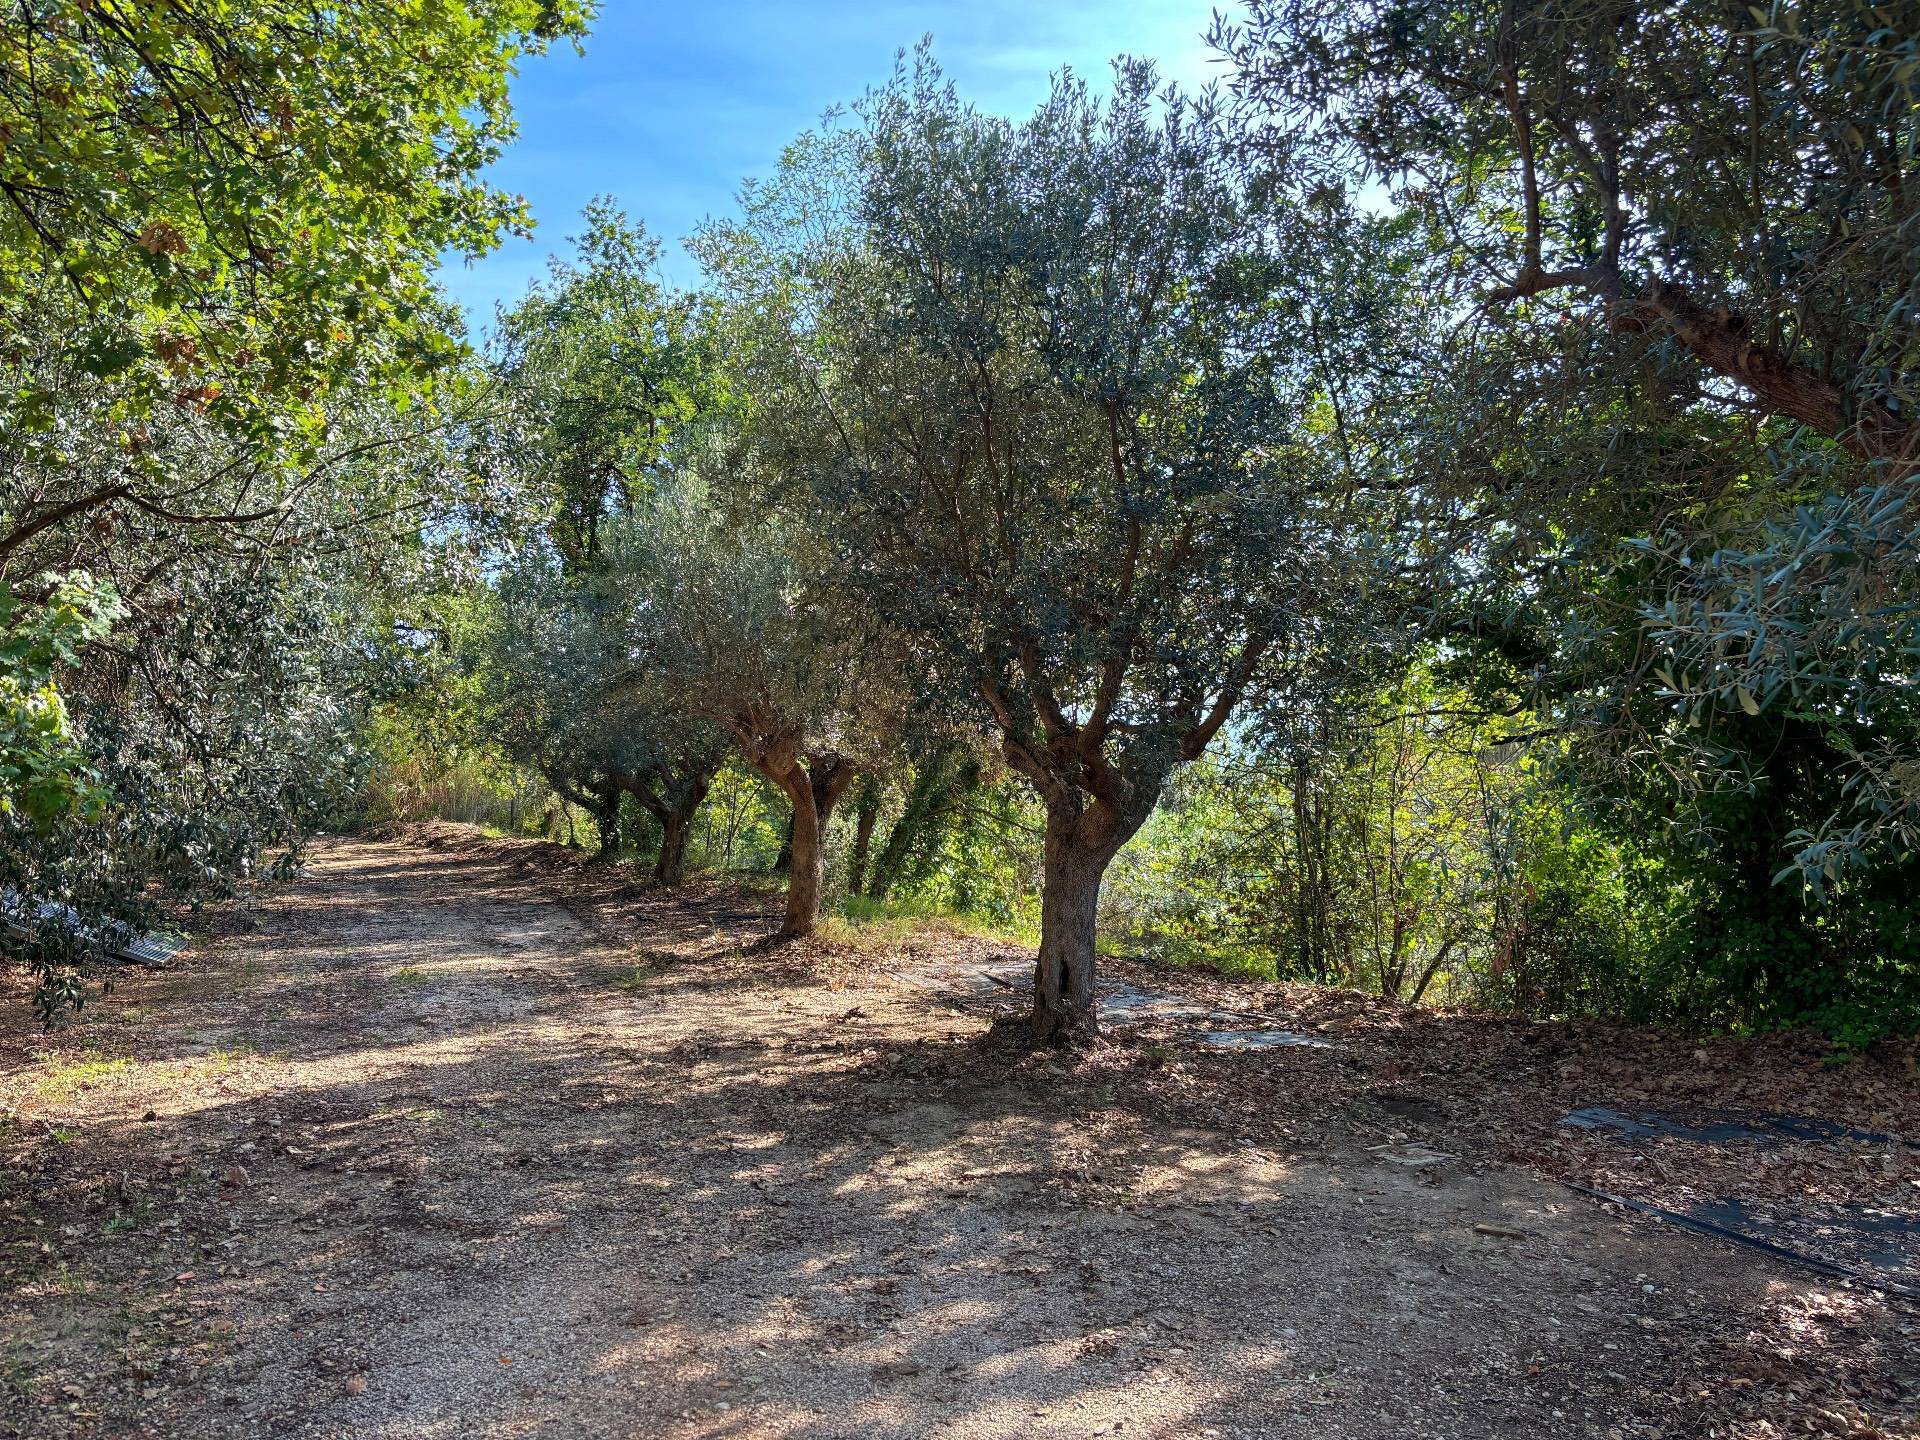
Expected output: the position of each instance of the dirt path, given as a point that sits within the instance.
(427, 1155)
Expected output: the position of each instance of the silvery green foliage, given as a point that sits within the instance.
(1055, 389)
(720, 617)
(1819, 618)
(564, 695)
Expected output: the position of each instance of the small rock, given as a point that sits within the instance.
(1413, 1155)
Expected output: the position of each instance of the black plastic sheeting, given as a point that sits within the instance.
(1874, 1248)
(1719, 1127)
(1869, 1246)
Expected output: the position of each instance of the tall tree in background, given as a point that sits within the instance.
(599, 367)
(1055, 384)
(1684, 233)
(1669, 459)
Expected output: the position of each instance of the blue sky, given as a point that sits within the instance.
(672, 105)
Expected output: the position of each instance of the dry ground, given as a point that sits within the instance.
(452, 1139)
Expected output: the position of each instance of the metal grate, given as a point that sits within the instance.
(111, 939)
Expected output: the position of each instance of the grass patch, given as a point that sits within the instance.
(18, 1377)
(864, 921)
(647, 967)
(757, 882)
(69, 1281)
(223, 1061)
(66, 1081)
(1179, 952)
(409, 976)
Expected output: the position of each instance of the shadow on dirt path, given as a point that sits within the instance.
(428, 1154)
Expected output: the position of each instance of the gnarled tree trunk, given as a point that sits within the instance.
(670, 865)
(812, 781)
(602, 801)
(1082, 840)
(672, 798)
(814, 789)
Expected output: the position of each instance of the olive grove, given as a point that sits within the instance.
(1433, 513)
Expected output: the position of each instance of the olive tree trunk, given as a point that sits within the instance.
(806, 867)
(1081, 842)
(670, 865)
(676, 825)
(814, 789)
(603, 803)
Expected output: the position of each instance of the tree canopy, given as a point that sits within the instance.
(1433, 513)
(1052, 382)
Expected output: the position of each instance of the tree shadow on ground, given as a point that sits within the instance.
(532, 1190)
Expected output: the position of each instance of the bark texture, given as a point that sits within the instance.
(814, 788)
(1081, 842)
(813, 780)
(1099, 781)
(670, 865)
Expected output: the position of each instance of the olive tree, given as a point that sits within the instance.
(561, 698)
(721, 616)
(668, 771)
(1055, 382)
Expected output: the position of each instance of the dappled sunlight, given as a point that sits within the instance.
(723, 1199)
(1216, 747)
(1189, 1175)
